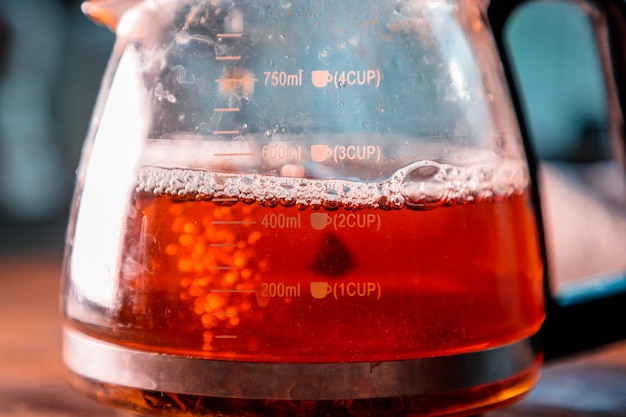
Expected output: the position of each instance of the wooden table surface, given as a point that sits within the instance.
(32, 376)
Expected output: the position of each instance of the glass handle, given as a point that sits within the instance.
(107, 12)
(572, 327)
(614, 53)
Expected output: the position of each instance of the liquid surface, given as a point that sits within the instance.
(421, 185)
(262, 268)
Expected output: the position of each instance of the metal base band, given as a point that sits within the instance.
(110, 363)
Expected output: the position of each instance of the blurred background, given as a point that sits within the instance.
(53, 57)
(51, 62)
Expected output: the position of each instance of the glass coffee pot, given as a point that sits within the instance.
(294, 208)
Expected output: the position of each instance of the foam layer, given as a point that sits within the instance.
(423, 184)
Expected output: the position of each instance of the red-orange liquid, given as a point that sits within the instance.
(227, 280)
(253, 283)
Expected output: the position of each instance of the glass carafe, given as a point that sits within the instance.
(303, 208)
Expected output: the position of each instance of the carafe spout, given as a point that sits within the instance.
(107, 12)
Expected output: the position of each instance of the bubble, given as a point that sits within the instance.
(288, 196)
(423, 187)
(184, 76)
(162, 94)
(325, 55)
(331, 199)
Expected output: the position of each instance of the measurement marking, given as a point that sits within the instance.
(216, 222)
(225, 132)
(236, 154)
(228, 58)
(223, 245)
(233, 291)
(225, 336)
(226, 109)
(223, 268)
(229, 35)
(234, 80)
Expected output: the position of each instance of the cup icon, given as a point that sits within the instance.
(319, 289)
(319, 153)
(321, 78)
(319, 221)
